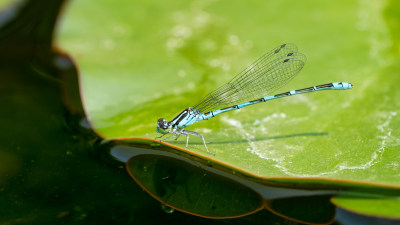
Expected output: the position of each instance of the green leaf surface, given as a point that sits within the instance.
(148, 60)
(377, 206)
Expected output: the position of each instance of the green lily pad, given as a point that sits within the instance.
(153, 59)
(376, 206)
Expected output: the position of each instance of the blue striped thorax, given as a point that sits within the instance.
(186, 118)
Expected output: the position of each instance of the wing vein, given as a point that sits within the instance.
(260, 79)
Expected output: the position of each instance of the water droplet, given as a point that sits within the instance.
(191, 85)
(234, 40)
(167, 209)
(182, 31)
(181, 73)
(108, 44)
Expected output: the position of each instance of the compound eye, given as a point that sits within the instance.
(162, 123)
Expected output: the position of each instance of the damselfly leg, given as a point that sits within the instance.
(186, 133)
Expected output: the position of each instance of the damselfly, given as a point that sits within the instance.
(269, 73)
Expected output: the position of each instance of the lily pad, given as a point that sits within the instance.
(173, 175)
(380, 206)
(150, 60)
(189, 188)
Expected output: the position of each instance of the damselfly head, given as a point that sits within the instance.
(162, 126)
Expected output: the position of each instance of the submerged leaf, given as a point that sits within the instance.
(189, 188)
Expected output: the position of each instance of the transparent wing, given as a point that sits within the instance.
(269, 73)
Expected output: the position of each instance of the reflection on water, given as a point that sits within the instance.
(167, 209)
